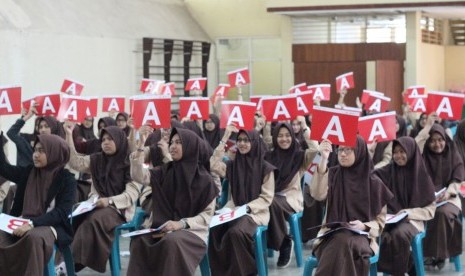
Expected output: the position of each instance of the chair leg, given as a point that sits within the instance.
(205, 266)
(373, 269)
(417, 254)
(457, 263)
(50, 268)
(114, 258)
(310, 264)
(270, 253)
(69, 262)
(294, 224)
(260, 248)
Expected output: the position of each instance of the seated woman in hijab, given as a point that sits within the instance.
(122, 122)
(356, 200)
(445, 166)
(112, 190)
(291, 163)
(45, 196)
(90, 146)
(413, 192)
(212, 131)
(183, 203)
(251, 183)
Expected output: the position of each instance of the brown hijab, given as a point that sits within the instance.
(445, 167)
(247, 171)
(288, 161)
(355, 193)
(213, 137)
(411, 185)
(110, 173)
(40, 179)
(459, 139)
(127, 129)
(182, 188)
(55, 126)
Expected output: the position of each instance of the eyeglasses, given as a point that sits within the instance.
(243, 140)
(176, 142)
(344, 150)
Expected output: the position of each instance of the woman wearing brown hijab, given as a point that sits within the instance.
(291, 163)
(459, 140)
(251, 183)
(113, 191)
(45, 195)
(356, 199)
(413, 190)
(212, 131)
(183, 202)
(446, 168)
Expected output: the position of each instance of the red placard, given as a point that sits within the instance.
(447, 105)
(195, 108)
(349, 108)
(152, 110)
(320, 92)
(71, 87)
(240, 114)
(168, 89)
(10, 100)
(381, 127)
(47, 104)
(304, 102)
(336, 125)
(299, 88)
(366, 95)
(27, 103)
(115, 103)
(150, 86)
(417, 90)
(220, 92)
(73, 108)
(196, 84)
(418, 103)
(377, 103)
(92, 107)
(345, 82)
(279, 108)
(257, 100)
(239, 77)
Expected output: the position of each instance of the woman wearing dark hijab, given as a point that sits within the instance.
(291, 163)
(446, 168)
(459, 140)
(24, 141)
(112, 190)
(299, 127)
(212, 131)
(183, 204)
(122, 122)
(50, 125)
(94, 145)
(251, 183)
(85, 131)
(45, 196)
(355, 199)
(413, 191)
(419, 125)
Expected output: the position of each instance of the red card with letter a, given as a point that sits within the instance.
(377, 103)
(240, 114)
(279, 108)
(304, 102)
(92, 107)
(299, 88)
(447, 105)
(366, 95)
(113, 103)
(47, 104)
(196, 84)
(195, 108)
(239, 77)
(417, 90)
(220, 92)
(71, 87)
(10, 100)
(27, 103)
(168, 89)
(257, 100)
(345, 82)
(321, 92)
(150, 86)
(336, 125)
(381, 127)
(152, 110)
(73, 108)
(418, 103)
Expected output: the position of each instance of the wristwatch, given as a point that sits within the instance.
(110, 201)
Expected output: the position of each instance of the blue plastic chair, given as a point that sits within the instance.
(223, 199)
(260, 250)
(69, 262)
(205, 266)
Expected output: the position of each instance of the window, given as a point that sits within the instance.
(431, 30)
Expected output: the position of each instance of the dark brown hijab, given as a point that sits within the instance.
(127, 129)
(182, 188)
(213, 137)
(445, 167)
(411, 184)
(288, 161)
(354, 192)
(110, 173)
(40, 179)
(381, 146)
(459, 139)
(55, 126)
(247, 171)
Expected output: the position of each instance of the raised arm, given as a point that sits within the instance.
(319, 186)
(78, 162)
(216, 161)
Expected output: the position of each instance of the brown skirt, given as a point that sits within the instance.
(177, 253)
(312, 216)
(444, 233)
(27, 255)
(280, 211)
(8, 201)
(93, 238)
(232, 248)
(395, 256)
(344, 253)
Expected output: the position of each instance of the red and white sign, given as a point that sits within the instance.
(345, 82)
(380, 127)
(153, 110)
(257, 100)
(279, 108)
(221, 92)
(366, 94)
(447, 105)
(336, 125)
(10, 100)
(27, 103)
(113, 103)
(73, 108)
(304, 102)
(417, 90)
(377, 103)
(150, 86)
(195, 108)
(239, 77)
(418, 103)
(320, 92)
(71, 87)
(349, 108)
(92, 107)
(47, 104)
(299, 88)
(240, 114)
(227, 215)
(168, 89)
(197, 84)
(9, 223)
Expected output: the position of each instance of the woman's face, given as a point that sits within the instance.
(121, 121)
(39, 158)
(284, 138)
(108, 145)
(436, 143)
(176, 147)
(209, 125)
(399, 156)
(296, 126)
(44, 128)
(422, 120)
(243, 143)
(88, 122)
(346, 156)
